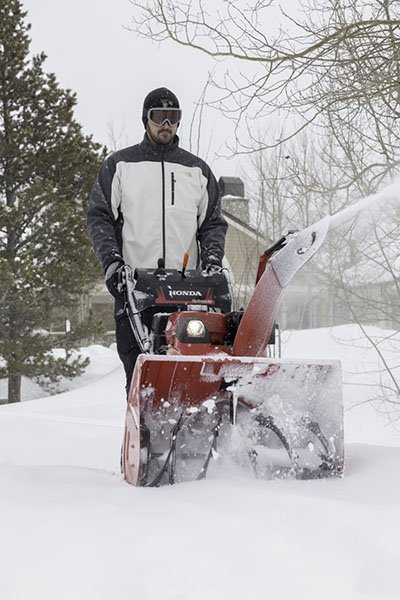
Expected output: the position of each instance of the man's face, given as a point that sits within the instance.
(161, 134)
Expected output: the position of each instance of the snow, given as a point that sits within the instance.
(102, 360)
(387, 196)
(71, 528)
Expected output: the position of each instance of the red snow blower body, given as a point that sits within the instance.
(205, 398)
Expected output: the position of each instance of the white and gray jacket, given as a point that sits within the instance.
(156, 201)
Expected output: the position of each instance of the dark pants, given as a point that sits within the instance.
(127, 347)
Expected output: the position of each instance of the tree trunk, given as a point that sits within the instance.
(14, 387)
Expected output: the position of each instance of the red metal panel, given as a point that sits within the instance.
(255, 328)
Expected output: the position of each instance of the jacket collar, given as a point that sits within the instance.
(159, 149)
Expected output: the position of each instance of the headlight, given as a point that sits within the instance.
(195, 328)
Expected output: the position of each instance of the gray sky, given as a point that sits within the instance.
(111, 70)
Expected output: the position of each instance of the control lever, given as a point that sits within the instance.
(184, 263)
(160, 271)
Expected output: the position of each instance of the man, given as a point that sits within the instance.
(150, 201)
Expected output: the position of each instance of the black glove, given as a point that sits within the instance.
(113, 278)
(211, 268)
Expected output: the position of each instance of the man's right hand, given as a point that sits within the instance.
(113, 279)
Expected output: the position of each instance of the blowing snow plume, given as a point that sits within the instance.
(389, 197)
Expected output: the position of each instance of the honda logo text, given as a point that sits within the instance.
(185, 293)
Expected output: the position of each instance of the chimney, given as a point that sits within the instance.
(233, 201)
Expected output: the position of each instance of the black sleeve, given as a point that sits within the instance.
(211, 234)
(103, 227)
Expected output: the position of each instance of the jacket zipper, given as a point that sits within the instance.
(172, 188)
(164, 250)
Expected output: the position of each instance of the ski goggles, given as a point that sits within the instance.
(159, 116)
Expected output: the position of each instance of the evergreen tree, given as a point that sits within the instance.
(47, 167)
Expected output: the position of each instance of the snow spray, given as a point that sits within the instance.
(390, 194)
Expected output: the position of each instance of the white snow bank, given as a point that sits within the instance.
(72, 529)
(84, 534)
(102, 361)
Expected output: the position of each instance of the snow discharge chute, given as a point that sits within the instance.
(204, 396)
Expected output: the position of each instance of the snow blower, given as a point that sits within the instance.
(205, 398)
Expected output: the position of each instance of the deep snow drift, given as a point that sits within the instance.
(72, 529)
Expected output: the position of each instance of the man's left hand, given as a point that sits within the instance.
(212, 268)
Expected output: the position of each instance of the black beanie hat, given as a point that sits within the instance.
(161, 97)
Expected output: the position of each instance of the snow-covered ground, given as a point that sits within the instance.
(71, 529)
